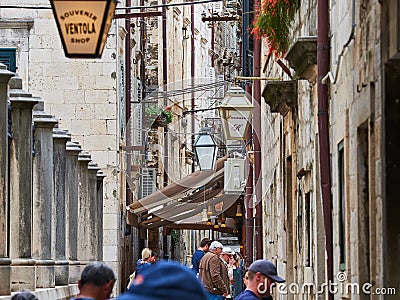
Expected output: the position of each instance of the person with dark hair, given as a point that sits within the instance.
(96, 282)
(166, 280)
(153, 257)
(199, 253)
(26, 295)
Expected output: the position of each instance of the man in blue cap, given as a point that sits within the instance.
(165, 281)
(261, 274)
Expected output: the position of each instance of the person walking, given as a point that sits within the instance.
(214, 274)
(144, 262)
(199, 253)
(96, 282)
(261, 274)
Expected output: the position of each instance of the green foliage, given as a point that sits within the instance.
(273, 22)
(152, 110)
(175, 237)
(168, 115)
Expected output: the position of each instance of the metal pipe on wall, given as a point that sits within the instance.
(249, 199)
(258, 230)
(165, 81)
(192, 73)
(323, 129)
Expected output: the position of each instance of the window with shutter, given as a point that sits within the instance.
(148, 182)
(7, 57)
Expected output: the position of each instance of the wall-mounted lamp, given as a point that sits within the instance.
(205, 149)
(239, 210)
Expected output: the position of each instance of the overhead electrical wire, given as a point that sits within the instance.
(120, 8)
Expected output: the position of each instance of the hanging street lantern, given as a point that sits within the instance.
(205, 149)
(83, 25)
(235, 111)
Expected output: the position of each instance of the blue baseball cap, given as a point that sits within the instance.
(267, 268)
(165, 280)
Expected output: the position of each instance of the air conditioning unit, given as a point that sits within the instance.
(148, 181)
(234, 175)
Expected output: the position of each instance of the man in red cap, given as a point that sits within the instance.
(261, 274)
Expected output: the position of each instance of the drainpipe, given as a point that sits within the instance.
(249, 199)
(323, 128)
(128, 98)
(192, 73)
(258, 232)
(165, 81)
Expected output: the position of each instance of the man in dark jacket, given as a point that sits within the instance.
(199, 253)
(214, 274)
(262, 273)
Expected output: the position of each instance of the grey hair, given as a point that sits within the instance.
(97, 273)
(214, 245)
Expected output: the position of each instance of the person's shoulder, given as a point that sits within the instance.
(246, 295)
(198, 253)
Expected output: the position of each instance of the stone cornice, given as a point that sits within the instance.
(16, 24)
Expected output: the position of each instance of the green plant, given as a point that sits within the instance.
(273, 21)
(152, 110)
(175, 237)
(168, 115)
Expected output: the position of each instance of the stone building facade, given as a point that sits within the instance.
(362, 124)
(83, 94)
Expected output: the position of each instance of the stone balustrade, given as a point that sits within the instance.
(51, 200)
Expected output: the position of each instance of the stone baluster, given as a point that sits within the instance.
(83, 210)
(4, 259)
(43, 196)
(60, 138)
(92, 223)
(22, 264)
(71, 203)
(100, 179)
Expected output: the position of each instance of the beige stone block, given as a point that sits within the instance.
(68, 83)
(106, 111)
(80, 127)
(110, 221)
(109, 68)
(57, 55)
(87, 83)
(110, 253)
(77, 68)
(54, 69)
(95, 69)
(73, 96)
(45, 41)
(112, 96)
(100, 142)
(45, 277)
(111, 126)
(40, 55)
(62, 111)
(98, 127)
(96, 96)
(22, 277)
(85, 112)
(110, 205)
(105, 82)
(45, 26)
(100, 157)
(53, 97)
(110, 238)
